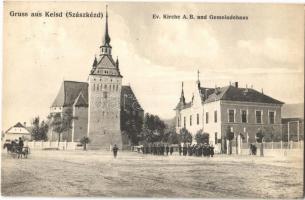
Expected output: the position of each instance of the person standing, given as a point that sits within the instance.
(115, 151)
(167, 149)
(184, 149)
(171, 149)
(180, 149)
(20, 144)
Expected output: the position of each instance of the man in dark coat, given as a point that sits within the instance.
(20, 144)
(171, 150)
(211, 151)
(167, 149)
(184, 149)
(115, 150)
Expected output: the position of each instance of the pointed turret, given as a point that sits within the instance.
(117, 63)
(198, 81)
(94, 65)
(182, 99)
(106, 47)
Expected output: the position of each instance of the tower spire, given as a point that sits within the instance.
(106, 47)
(182, 99)
(198, 81)
(107, 39)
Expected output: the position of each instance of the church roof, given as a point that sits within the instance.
(129, 100)
(69, 91)
(80, 101)
(73, 93)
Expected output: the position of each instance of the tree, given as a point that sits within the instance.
(84, 141)
(170, 135)
(185, 136)
(259, 138)
(202, 137)
(153, 128)
(132, 126)
(269, 134)
(39, 129)
(61, 122)
(230, 137)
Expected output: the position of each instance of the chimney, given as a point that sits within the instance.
(251, 86)
(236, 84)
(262, 90)
(24, 124)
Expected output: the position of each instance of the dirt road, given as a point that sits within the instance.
(93, 173)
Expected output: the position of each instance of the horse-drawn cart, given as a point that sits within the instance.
(15, 150)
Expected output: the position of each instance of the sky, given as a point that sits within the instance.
(155, 55)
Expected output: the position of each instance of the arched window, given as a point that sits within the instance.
(97, 88)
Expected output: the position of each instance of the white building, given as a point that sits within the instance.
(16, 132)
(244, 111)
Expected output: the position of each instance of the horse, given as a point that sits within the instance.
(14, 148)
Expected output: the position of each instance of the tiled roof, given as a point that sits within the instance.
(80, 101)
(231, 93)
(76, 93)
(19, 125)
(129, 100)
(69, 91)
(248, 95)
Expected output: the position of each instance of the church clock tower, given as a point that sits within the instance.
(104, 90)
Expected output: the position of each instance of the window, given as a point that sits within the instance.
(117, 87)
(231, 116)
(244, 116)
(215, 116)
(184, 121)
(97, 87)
(93, 87)
(178, 122)
(215, 137)
(271, 117)
(190, 120)
(197, 118)
(206, 117)
(105, 86)
(105, 95)
(258, 116)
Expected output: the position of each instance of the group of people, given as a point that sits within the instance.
(185, 149)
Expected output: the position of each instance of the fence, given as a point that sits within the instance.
(52, 145)
(274, 148)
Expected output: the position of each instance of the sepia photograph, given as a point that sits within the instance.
(152, 100)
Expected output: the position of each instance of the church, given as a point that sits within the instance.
(243, 111)
(98, 105)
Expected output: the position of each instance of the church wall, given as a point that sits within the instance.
(251, 127)
(80, 123)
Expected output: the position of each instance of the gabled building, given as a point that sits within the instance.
(97, 104)
(17, 131)
(244, 111)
